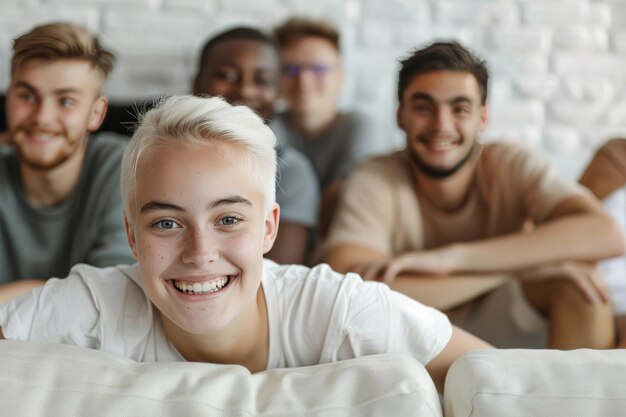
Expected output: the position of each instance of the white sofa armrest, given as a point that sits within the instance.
(39, 379)
(536, 383)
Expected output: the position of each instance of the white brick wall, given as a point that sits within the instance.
(558, 67)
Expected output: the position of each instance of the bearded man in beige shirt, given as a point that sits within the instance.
(488, 233)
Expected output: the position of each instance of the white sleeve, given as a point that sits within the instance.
(380, 320)
(614, 270)
(62, 311)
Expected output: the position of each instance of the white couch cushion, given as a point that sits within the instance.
(39, 379)
(535, 383)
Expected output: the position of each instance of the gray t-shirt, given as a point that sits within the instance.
(297, 191)
(350, 139)
(41, 242)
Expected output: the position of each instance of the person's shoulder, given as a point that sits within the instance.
(299, 274)
(117, 274)
(108, 144)
(393, 166)
(509, 154)
(292, 159)
(104, 155)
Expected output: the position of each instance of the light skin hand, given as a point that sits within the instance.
(585, 276)
(14, 289)
(433, 262)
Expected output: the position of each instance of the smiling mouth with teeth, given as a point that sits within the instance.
(199, 288)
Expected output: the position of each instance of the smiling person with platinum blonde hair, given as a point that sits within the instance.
(199, 219)
(195, 122)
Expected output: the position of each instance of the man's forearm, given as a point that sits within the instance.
(585, 238)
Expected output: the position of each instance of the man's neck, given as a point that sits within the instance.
(313, 125)
(244, 342)
(447, 194)
(54, 186)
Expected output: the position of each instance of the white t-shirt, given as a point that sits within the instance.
(315, 316)
(614, 270)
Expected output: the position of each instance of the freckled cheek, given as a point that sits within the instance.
(151, 251)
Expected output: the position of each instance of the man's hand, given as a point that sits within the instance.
(585, 276)
(434, 262)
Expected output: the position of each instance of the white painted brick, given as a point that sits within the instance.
(516, 112)
(138, 24)
(131, 81)
(397, 11)
(618, 14)
(509, 64)
(566, 12)
(200, 6)
(334, 11)
(15, 21)
(563, 138)
(106, 3)
(403, 37)
(261, 7)
(498, 12)
(618, 37)
(466, 35)
(576, 113)
(588, 88)
(529, 135)
(616, 113)
(519, 39)
(589, 63)
(581, 38)
(540, 86)
(375, 35)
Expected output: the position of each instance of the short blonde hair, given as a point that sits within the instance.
(197, 121)
(62, 40)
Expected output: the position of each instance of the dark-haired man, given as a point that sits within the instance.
(448, 205)
(242, 65)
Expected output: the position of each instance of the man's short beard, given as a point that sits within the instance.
(440, 173)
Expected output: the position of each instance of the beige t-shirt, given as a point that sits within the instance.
(381, 208)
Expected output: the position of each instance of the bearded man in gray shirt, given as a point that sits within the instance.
(61, 203)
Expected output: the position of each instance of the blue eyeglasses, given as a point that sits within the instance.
(293, 70)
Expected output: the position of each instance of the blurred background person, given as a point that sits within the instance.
(242, 65)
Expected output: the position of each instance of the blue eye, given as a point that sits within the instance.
(167, 224)
(66, 102)
(228, 221)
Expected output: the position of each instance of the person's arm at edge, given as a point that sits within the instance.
(291, 244)
(460, 342)
(1, 334)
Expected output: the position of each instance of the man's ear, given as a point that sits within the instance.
(484, 116)
(399, 117)
(130, 234)
(98, 111)
(271, 228)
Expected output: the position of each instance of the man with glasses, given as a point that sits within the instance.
(312, 77)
